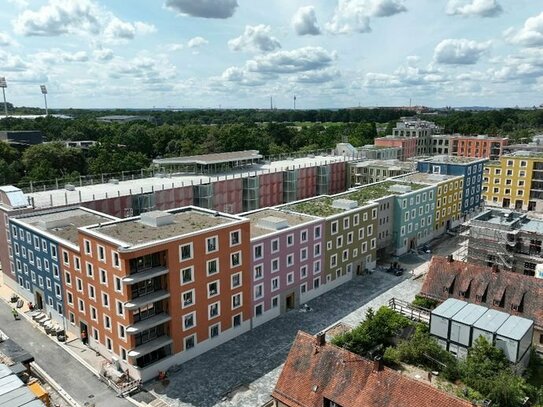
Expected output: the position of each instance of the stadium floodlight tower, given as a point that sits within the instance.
(44, 93)
(4, 85)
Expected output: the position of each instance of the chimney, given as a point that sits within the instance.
(378, 364)
(495, 268)
(320, 339)
(450, 258)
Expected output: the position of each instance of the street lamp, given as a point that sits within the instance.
(44, 92)
(4, 85)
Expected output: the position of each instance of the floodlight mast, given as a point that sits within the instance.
(4, 85)
(44, 92)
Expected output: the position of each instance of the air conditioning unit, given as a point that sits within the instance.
(69, 187)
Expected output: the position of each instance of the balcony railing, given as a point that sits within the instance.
(151, 346)
(145, 275)
(146, 299)
(148, 323)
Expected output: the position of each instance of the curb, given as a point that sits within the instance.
(46, 378)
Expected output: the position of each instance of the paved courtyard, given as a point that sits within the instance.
(243, 372)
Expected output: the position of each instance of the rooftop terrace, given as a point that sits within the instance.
(64, 223)
(292, 219)
(183, 221)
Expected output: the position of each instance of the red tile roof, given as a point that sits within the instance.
(446, 280)
(312, 373)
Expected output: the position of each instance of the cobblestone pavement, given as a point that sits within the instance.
(250, 362)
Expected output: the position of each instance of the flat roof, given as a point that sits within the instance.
(133, 232)
(62, 197)
(469, 314)
(64, 223)
(515, 327)
(449, 308)
(427, 178)
(390, 164)
(293, 219)
(207, 159)
(491, 320)
(452, 159)
(533, 226)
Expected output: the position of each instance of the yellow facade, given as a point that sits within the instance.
(514, 181)
(448, 202)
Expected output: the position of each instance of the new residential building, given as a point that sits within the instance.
(515, 181)
(368, 172)
(481, 146)
(470, 168)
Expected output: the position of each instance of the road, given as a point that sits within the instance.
(75, 379)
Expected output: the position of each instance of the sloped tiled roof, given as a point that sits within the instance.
(312, 373)
(514, 287)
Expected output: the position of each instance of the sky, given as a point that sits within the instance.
(239, 53)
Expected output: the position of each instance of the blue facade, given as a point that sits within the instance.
(473, 178)
(36, 261)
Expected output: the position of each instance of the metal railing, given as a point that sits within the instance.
(409, 310)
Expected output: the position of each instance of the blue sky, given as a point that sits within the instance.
(238, 53)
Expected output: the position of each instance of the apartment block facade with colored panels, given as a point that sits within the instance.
(470, 168)
(515, 181)
(287, 256)
(39, 250)
(242, 189)
(481, 146)
(407, 145)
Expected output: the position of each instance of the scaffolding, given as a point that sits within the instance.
(492, 246)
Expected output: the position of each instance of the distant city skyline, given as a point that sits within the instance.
(239, 53)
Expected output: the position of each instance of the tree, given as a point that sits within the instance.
(52, 160)
(508, 390)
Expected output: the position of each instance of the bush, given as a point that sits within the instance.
(424, 302)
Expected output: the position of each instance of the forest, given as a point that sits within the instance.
(132, 146)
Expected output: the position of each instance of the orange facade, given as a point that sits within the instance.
(478, 147)
(407, 144)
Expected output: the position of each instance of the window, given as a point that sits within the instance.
(79, 284)
(235, 238)
(189, 321)
(275, 246)
(303, 236)
(275, 284)
(317, 249)
(187, 298)
(275, 301)
(235, 259)
(214, 330)
(213, 289)
(105, 300)
(187, 275)
(116, 261)
(236, 280)
(303, 272)
(236, 320)
(214, 310)
(185, 251)
(316, 282)
(212, 244)
(303, 254)
(333, 227)
(346, 223)
(190, 342)
(90, 271)
(107, 322)
(290, 278)
(88, 249)
(236, 300)
(120, 308)
(290, 260)
(81, 305)
(290, 240)
(212, 267)
(101, 254)
(92, 292)
(77, 263)
(258, 310)
(70, 298)
(258, 272)
(259, 291)
(122, 331)
(118, 285)
(275, 265)
(258, 252)
(317, 232)
(103, 277)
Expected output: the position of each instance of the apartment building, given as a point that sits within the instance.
(421, 130)
(42, 245)
(169, 286)
(470, 168)
(407, 145)
(508, 239)
(515, 181)
(368, 172)
(287, 256)
(481, 146)
(251, 186)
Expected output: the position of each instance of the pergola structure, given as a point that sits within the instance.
(209, 163)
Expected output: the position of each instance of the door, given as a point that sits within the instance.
(448, 224)
(413, 244)
(506, 202)
(518, 204)
(290, 301)
(39, 300)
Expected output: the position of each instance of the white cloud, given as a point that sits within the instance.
(6, 40)
(54, 56)
(480, 8)
(255, 38)
(103, 54)
(12, 63)
(174, 47)
(530, 35)
(298, 60)
(460, 51)
(19, 3)
(321, 76)
(354, 15)
(81, 17)
(204, 8)
(197, 42)
(305, 21)
(527, 66)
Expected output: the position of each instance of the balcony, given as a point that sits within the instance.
(144, 275)
(146, 299)
(148, 323)
(151, 346)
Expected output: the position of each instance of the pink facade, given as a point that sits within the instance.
(307, 182)
(407, 144)
(337, 179)
(174, 198)
(271, 189)
(228, 196)
(285, 264)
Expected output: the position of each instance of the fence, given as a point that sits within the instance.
(409, 310)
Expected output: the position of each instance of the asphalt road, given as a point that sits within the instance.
(74, 378)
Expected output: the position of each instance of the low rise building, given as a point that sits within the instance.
(515, 181)
(368, 172)
(317, 373)
(510, 293)
(22, 137)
